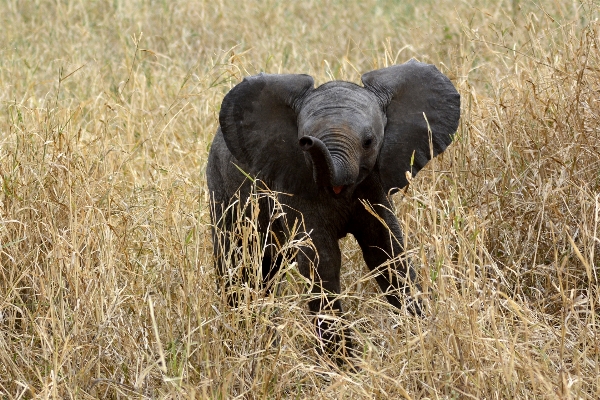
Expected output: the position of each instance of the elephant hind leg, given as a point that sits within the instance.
(224, 251)
(238, 261)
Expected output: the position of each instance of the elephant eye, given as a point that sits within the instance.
(367, 143)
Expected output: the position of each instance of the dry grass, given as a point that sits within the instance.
(107, 111)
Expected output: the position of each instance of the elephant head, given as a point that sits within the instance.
(341, 129)
(402, 117)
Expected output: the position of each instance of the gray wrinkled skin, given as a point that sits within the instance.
(331, 148)
(344, 117)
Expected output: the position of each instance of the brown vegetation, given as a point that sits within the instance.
(107, 290)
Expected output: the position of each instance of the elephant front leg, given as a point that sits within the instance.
(382, 247)
(324, 272)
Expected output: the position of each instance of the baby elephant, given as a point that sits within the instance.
(333, 154)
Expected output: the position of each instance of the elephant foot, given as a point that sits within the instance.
(335, 343)
(414, 306)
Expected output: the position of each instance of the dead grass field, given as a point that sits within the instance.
(107, 111)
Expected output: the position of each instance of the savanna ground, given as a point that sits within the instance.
(107, 290)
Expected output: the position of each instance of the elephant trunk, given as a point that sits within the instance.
(325, 171)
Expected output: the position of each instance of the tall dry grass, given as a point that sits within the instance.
(107, 288)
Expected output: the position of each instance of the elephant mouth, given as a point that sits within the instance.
(338, 189)
(325, 172)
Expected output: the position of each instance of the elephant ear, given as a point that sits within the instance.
(258, 120)
(410, 93)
